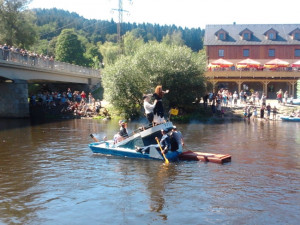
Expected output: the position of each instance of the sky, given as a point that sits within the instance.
(184, 13)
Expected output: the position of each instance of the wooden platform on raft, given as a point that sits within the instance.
(205, 157)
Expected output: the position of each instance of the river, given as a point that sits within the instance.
(48, 175)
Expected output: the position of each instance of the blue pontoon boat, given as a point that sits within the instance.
(290, 119)
(142, 138)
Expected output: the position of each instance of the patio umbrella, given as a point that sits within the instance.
(221, 63)
(296, 64)
(274, 63)
(248, 63)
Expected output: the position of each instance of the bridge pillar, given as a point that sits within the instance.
(14, 99)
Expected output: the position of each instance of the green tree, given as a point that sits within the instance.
(69, 48)
(94, 57)
(17, 22)
(110, 52)
(177, 68)
(132, 43)
(174, 39)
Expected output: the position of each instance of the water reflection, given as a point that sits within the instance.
(49, 176)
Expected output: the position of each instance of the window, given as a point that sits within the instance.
(297, 36)
(271, 36)
(246, 52)
(246, 36)
(221, 36)
(221, 52)
(271, 52)
(297, 52)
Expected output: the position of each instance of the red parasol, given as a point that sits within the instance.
(296, 64)
(248, 63)
(276, 63)
(221, 63)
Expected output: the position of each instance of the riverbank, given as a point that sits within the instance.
(282, 109)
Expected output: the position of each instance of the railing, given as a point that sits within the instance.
(45, 63)
(233, 68)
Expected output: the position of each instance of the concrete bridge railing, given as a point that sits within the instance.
(45, 63)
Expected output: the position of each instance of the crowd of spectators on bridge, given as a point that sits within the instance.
(76, 103)
(15, 54)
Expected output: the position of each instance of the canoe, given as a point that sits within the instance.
(205, 157)
(290, 119)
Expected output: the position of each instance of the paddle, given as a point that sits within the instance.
(162, 152)
(94, 138)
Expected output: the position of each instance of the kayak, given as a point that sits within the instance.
(290, 119)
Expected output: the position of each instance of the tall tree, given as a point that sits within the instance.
(177, 68)
(17, 22)
(69, 48)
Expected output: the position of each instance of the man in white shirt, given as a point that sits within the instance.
(149, 108)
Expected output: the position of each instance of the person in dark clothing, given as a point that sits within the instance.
(123, 131)
(177, 141)
(158, 110)
(165, 144)
(262, 112)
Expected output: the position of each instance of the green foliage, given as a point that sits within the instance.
(94, 57)
(54, 20)
(110, 52)
(17, 22)
(69, 48)
(173, 39)
(177, 68)
(132, 43)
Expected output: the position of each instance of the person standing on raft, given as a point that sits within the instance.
(149, 108)
(158, 110)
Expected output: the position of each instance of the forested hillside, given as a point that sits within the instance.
(52, 21)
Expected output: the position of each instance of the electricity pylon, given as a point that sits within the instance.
(120, 10)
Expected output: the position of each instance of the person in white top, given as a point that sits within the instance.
(149, 108)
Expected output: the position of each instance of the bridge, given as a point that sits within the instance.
(17, 70)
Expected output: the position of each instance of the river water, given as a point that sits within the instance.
(48, 175)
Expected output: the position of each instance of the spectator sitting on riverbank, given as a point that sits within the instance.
(50, 101)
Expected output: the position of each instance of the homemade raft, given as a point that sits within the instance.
(146, 137)
(205, 157)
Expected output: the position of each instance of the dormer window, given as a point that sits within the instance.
(221, 35)
(295, 34)
(271, 34)
(246, 34)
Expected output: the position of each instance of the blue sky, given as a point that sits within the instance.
(184, 13)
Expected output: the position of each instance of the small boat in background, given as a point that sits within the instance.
(290, 119)
(293, 101)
